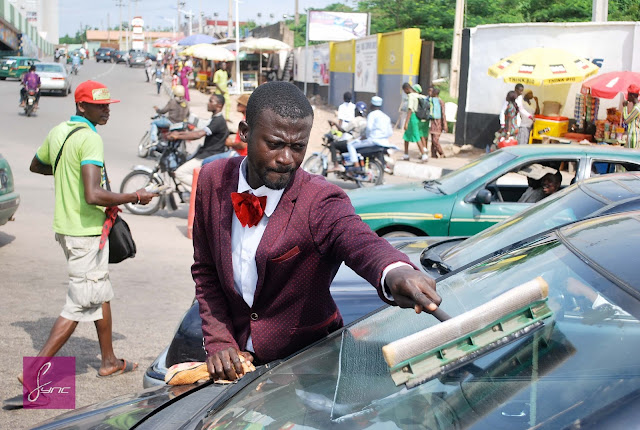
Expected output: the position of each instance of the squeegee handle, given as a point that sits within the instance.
(440, 314)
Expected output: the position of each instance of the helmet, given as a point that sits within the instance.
(361, 107)
(178, 91)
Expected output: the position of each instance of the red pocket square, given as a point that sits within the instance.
(290, 253)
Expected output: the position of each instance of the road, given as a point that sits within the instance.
(151, 291)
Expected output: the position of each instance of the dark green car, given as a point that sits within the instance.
(15, 67)
(483, 192)
(9, 199)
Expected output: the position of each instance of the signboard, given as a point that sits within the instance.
(366, 76)
(137, 39)
(320, 74)
(336, 26)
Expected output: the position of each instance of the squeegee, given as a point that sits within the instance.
(426, 354)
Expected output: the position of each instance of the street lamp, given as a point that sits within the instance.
(188, 14)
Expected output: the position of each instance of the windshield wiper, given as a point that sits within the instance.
(431, 258)
(434, 185)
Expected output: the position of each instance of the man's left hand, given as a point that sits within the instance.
(411, 288)
(172, 136)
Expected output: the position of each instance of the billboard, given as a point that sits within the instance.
(366, 76)
(337, 26)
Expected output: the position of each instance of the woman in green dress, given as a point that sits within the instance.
(413, 132)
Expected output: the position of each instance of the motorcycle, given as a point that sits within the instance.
(366, 172)
(160, 177)
(74, 69)
(146, 148)
(30, 102)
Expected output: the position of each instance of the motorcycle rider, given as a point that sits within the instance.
(30, 81)
(75, 63)
(177, 110)
(355, 130)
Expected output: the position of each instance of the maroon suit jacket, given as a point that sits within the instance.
(312, 231)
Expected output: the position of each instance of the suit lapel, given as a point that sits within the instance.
(275, 227)
(229, 185)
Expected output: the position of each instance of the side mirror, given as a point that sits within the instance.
(483, 197)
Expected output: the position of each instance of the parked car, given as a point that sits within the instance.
(54, 78)
(599, 195)
(105, 54)
(481, 193)
(15, 67)
(120, 56)
(9, 198)
(577, 370)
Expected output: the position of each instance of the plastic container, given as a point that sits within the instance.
(557, 126)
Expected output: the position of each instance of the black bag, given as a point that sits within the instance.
(424, 109)
(121, 244)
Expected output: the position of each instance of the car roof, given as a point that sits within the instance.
(613, 187)
(560, 149)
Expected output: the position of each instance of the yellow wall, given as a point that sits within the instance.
(343, 57)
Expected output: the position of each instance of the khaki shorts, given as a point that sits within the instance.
(89, 284)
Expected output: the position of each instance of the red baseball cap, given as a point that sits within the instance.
(93, 92)
(633, 89)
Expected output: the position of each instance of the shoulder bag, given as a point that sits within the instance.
(121, 244)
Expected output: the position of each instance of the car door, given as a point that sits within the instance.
(506, 186)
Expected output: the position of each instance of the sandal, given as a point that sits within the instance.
(126, 368)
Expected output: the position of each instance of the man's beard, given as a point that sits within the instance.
(282, 181)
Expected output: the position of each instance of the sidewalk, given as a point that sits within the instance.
(456, 156)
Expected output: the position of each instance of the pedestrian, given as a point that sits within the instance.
(236, 146)
(73, 153)
(269, 238)
(379, 128)
(147, 68)
(185, 71)
(412, 127)
(527, 112)
(215, 137)
(631, 117)
(159, 74)
(438, 122)
(509, 119)
(221, 82)
(346, 111)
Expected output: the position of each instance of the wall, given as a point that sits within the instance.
(279, 31)
(17, 24)
(611, 44)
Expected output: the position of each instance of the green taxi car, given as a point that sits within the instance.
(14, 67)
(9, 199)
(483, 192)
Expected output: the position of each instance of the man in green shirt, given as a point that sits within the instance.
(221, 82)
(78, 218)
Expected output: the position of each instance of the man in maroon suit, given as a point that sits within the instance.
(270, 237)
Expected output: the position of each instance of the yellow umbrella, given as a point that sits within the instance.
(543, 66)
(206, 51)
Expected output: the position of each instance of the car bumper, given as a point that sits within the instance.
(154, 375)
(8, 206)
(53, 85)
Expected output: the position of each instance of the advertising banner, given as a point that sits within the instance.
(366, 76)
(320, 68)
(336, 26)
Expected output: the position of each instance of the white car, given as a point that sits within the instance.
(54, 78)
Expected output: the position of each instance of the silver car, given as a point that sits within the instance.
(54, 78)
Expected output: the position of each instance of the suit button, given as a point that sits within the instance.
(254, 316)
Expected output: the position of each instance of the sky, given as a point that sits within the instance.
(158, 13)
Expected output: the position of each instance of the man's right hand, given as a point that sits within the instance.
(226, 364)
(145, 196)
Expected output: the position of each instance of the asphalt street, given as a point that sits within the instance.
(151, 291)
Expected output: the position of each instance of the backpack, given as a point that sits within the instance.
(424, 109)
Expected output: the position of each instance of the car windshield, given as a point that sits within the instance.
(52, 68)
(8, 62)
(582, 361)
(560, 208)
(460, 178)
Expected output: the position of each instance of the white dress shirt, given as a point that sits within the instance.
(245, 241)
(379, 128)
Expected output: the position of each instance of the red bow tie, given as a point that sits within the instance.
(249, 208)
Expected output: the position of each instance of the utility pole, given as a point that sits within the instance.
(128, 23)
(456, 51)
(297, 14)
(200, 15)
(108, 29)
(600, 11)
(120, 5)
(180, 4)
(229, 20)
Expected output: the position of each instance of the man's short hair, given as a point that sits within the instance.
(519, 87)
(347, 97)
(220, 99)
(283, 98)
(406, 85)
(436, 91)
(32, 68)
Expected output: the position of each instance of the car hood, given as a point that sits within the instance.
(373, 199)
(121, 412)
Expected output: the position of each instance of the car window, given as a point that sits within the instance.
(460, 178)
(560, 208)
(603, 167)
(343, 382)
(53, 68)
